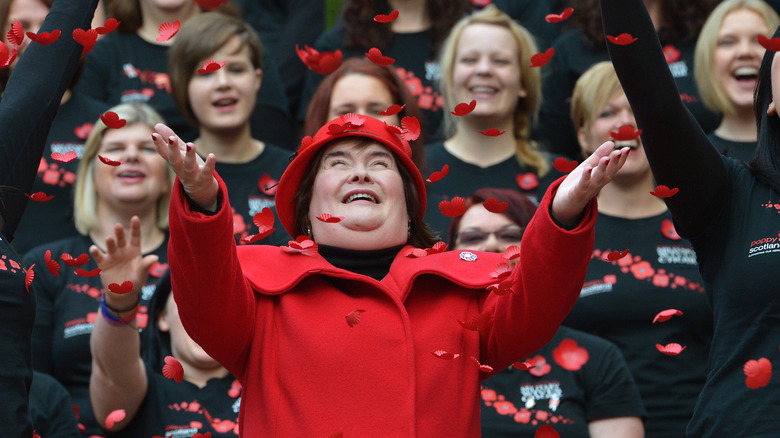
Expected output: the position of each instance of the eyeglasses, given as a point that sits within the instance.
(476, 236)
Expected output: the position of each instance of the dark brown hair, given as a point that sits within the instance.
(520, 211)
(128, 12)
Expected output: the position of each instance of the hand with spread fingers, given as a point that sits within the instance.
(196, 175)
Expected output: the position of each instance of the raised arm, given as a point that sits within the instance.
(118, 379)
(30, 102)
(678, 150)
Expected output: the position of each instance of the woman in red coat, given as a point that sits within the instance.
(353, 328)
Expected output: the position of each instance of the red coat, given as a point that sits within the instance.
(277, 322)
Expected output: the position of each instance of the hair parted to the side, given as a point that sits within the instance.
(520, 211)
(710, 90)
(85, 197)
(197, 39)
(765, 165)
(594, 89)
(527, 107)
(420, 235)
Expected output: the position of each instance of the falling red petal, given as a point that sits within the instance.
(353, 317)
(375, 55)
(109, 26)
(771, 44)
(502, 270)
(259, 236)
(492, 132)
(264, 219)
(625, 133)
(28, 277)
(108, 161)
(672, 349)
(168, 30)
(173, 369)
(411, 128)
(501, 289)
(662, 191)
(352, 120)
(210, 67)
(482, 367)
(523, 366)
(438, 247)
(623, 39)
(666, 315)
(322, 63)
(541, 59)
(557, 18)
(668, 230)
(613, 256)
(569, 355)
(415, 253)
(16, 34)
(329, 218)
(563, 165)
(463, 109)
(758, 373)
(494, 206)
(44, 38)
(39, 196)
(86, 38)
(386, 18)
(392, 110)
(454, 207)
(121, 289)
(512, 252)
(546, 431)
(441, 354)
(67, 157)
(52, 265)
(112, 120)
(439, 174)
(74, 262)
(114, 417)
(5, 58)
(84, 273)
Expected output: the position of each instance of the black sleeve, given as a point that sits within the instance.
(678, 150)
(43, 330)
(30, 102)
(51, 408)
(97, 70)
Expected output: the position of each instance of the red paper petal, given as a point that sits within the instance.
(492, 132)
(621, 40)
(415, 253)
(540, 59)
(478, 321)
(527, 181)
(563, 165)
(411, 128)
(114, 417)
(28, 277)
(386, 18)
(329, 218)
(668, 230)
(454, 207)
(501, 289)
(439, 174)
(74, 262)
(375, 55)
(758, 373)
(483, 368)
(353, 317)
(86, 38)
(108, 26)
(84, 273)
(569, 355)
(210, 67)
(352, 120)
(557, 18)
(264, 219)
(392, 110)
(502, 270)
(40, 197)
(67, 157)
(168, 30)
(322, 63)
(512, 252)
(112, 120)
(52, 265)
(666, 315)
(438, 247)
(44, 38)
(5, 58)
(441, 354)
(16, 34)
(173, 369)
(662, 191)
(121, 289)
(210, 4)
(463, 109)
(82, 131)
(545, 430)
(672, 349)
(108, 161)
(615, 255)
(523, 366)
(301, 245)
(771, 44)
(494, 206)
(257, 237)
(625, 133)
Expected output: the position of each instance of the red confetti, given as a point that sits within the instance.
(375, 55)
(439, 174)
(28, 277)
(411, 128)
(773, 44)
(415, 253)
(625, 133)
(109, 161)
(44, 38)
(353, 317)
(502, 288)
(540, 59)
(109, 26)
(668, 230)
(267, 185)
(386, 18)
(512, 252)
(527, 181)
(563, 165)
(173, 369)
(84, 273)
(623, 39)
(329, 218)
(52, 265)
(168, 30)
(662, 191)
(5, 58)
(758, 373)
(454, 207)
(83, 131)
(86, 38)
(67, 157)
(478, 321)
(16, 34)
(114, 417)
(264, 220)
(666, 315)
(438, 247)
(210, 67)
(112, 120)
(494, 206)
(392, 110)
(545, 430)
(121, 289)
(523, 365)
(557, 18)
(441, 354)
(463, 109)
(569, 355)
(492, 132)
(323, 63)
(39, 196)
(502, 270)
(482, 367)
(74, 262)
(613, 256)
(210, 4)
(301, 245)
(672, 349)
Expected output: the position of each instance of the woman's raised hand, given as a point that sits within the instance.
(585, 182)
(195, 175)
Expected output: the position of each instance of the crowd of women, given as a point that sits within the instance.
(444, 218)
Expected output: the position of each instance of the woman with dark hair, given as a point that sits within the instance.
(356, 297)
(27, 109)
(412, 40)
(359, 86)
(729, 211)
(677, 22)
(593, 396)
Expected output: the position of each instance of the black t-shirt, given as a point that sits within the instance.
(123, 67)
(739, 150)
(179, 410)
(415, 62)
(247, 184)
(620, 299)
(52, 220)
(68, 305)
(51, 408)
(464, 179)
(516, 402)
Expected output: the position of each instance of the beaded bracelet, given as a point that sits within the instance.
(113, 319)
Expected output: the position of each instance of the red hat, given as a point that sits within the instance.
(347, 125)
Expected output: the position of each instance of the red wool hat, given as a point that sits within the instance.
(347, 125)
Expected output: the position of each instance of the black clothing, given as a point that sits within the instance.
(739, 150)
(374, 263)
(51, 408)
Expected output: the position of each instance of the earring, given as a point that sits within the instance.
(771, 110)
(409, 230)
(308, 231)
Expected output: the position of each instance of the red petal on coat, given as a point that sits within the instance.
(478, 321)
(329, 218)
(40, 197)
(666, 315)
(301, 245)
(168, 30)
(758, 373)
(439, 174)
(109, 161)
(84, 273)
(771, 44)
(44, 38)
(109, 26)
(437, 248)
(540, 59)
(662, 191)
(494, 206)
(411, 128)
(305, 142)
(463, 109)
(257, 237)
(112, 120)
(392, 110)
(613, 256)
(454, 207)
(623, 39)
(375, 55)
(441, 354)
(210, 67)
(67, 157)
(52, 265)
(512, 252)
(527, 181)
(502, 270)
(415, 253)
(569, 355)
(114, 417)
(16, 34)
(625, 133)
(492, 132)
(353, 317)
(173, 369)
(28, 277)
(545, 430)
(210, 4)
(563, 165)
(74, 262)
(501, 289)
(557, 18)
(386, 18)
(672, 349)
(121, 289)
(482, 367)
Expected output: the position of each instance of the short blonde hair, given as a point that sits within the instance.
(592, 91)
(712, 95)
(527, 107)
(85, 199)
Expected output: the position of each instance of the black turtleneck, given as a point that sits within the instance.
(374, 263)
